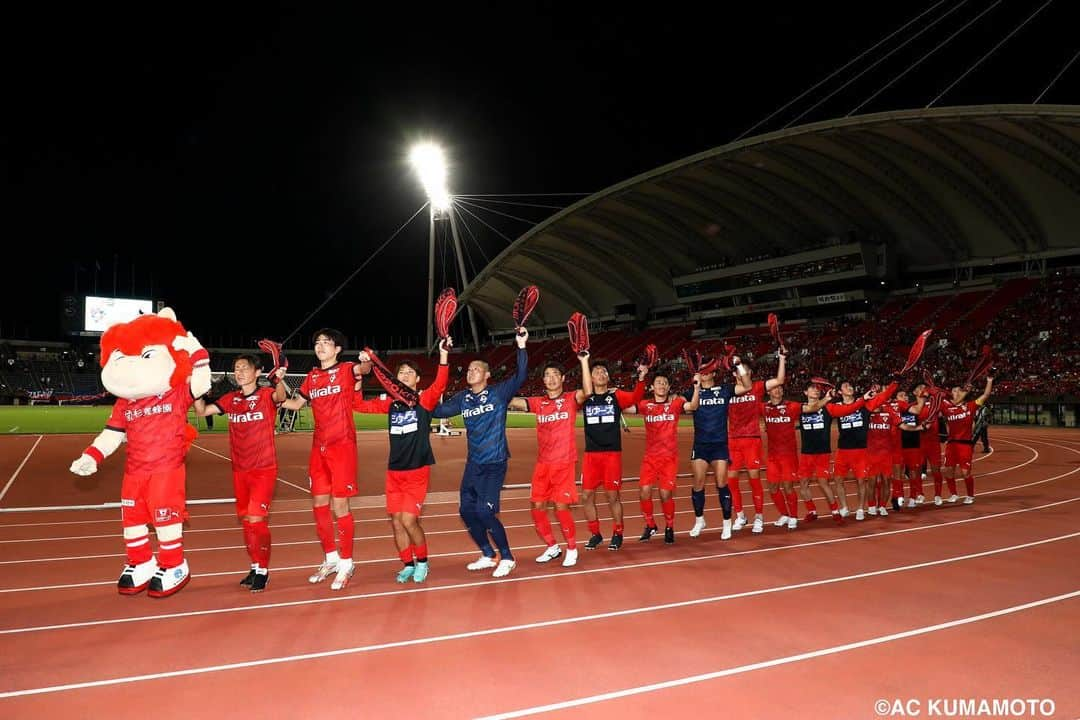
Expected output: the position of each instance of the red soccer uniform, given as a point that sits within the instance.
(781, 421)
(880, 441)
(661, 425)
(960, 420)
(744, 413)
(155, 430)
(330, 394)
(251, 427)
(555, 418)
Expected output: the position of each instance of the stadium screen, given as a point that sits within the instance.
(103, 312)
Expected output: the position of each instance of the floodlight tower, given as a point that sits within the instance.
(430, 165)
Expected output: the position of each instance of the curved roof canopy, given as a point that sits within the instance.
(938, 186)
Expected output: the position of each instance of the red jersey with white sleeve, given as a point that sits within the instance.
(251, 427)
(662, 425)
(960, 420)
(330, 393)
(781, 422)
(744, 413)
(881, 432)
(555, 418)
(155, 430)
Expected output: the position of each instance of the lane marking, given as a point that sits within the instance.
(16, 473)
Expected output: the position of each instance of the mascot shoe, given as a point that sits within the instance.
(135, 578)
(167, 581)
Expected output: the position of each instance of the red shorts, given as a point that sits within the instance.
(659, 471)
(254, 490)
(157, 498)
(745, 453)
(958, 455)
(932, 453)
(332, 470)
(406, 490)
(814, 465)
(554, 482)
(850, 460)
(602, 467)
(879, 464)
(782, 468)
(913, 457)
(898, 456)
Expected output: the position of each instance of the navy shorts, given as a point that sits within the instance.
(481, 485)
(710, 452)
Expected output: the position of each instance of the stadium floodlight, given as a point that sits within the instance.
(430, 165)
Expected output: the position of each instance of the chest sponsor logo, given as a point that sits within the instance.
(553, 417)
(478, 410)
(747, 398)
(778, 419)
(245, 417)
(326, 391)
(138, 413)
(403, 423)
(662, 417)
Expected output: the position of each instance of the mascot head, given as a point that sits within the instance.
(138, 359)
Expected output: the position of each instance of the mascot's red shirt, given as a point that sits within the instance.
(155, 430)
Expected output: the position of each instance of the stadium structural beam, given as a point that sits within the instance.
(464, 277)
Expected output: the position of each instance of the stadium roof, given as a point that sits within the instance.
(939, 186)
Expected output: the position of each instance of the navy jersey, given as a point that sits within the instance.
(814, 432)
(853, 427)
(910, 439)
(711, 417)
(484, 414)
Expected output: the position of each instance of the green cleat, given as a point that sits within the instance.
(421, 572)
(406, 573)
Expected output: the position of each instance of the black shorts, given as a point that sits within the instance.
(710, 452)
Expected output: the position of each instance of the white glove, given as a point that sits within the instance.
(187, 342)
(363, 357)
(84, 465)
(522, 337)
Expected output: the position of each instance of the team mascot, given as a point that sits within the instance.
(156, 369)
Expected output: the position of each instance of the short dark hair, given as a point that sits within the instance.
(249, 359)
(662, 374)
(335, 335)
(485, 363)
(552, 366)
(593, 364)
(409, 364)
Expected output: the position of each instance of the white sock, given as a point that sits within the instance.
(261, 571)
(332, 556)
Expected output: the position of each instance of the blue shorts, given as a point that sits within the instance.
(481, 485)
(710, 452)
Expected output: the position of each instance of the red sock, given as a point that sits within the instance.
(897, 488)
(952, 485)
(938, 479)
(594, 527)
(251, 540)
(138, 550)
(969, 485)
(543, 526)
(324, 527)
(406, 555)
(421, 552)
(811, 507)
(262, 537)
(566, 523)
(757, 492)
(736, 494)
(647, 511)
(669, 511)
(617, 528)
(915, 478)
(780, 503)
(171, 554)
(834, 506)
(792, 504)
(345, 530)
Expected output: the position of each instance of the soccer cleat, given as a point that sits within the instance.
(920, 500)
(725, 532)
(740, 522)
(883, 512)
(782, 521)
(135, 578)
(699, 525)
(616, 542)
(911, 503)
(245, 584)
(897, 504)
(550, 554)
(421, 571)
(871, 511)
(169, 581)
(481, 563)
(406, 573)
(647, 533)
(503, 568)
(669, 535)
(328, 568)
(258, 583)
(968, 500)
(937, 500)
(594, 541)
(344, 574)
(793, 523)
(860, 515)
(759, 526)
(838, 518)
(810, 517)
(953, 498)
(844, 512)
(571, 558)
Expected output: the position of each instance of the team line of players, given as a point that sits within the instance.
(881, 438)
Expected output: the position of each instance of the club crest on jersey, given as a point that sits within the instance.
(608, 399)
(558, 403)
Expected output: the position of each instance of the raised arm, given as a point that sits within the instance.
(449, 408)
(519, 404)
(203, 408)
(586, 378)
(781, 372)
(695, 399)
(986, 392)
(882, 397)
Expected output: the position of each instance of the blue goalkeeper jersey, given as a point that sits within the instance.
(485, 414)
(711, 417)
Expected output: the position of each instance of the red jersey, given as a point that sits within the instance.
(662, 425)
(555, 418)
(251, 427)
(899, 407)
(781, 422)
(881, 432)
(960, 419)
(155, 430)
(744, 413)
(330, 393)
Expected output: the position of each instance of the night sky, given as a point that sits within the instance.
(191, 140)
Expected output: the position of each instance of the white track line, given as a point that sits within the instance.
(567, 621)
(226, 457)
(834, 650)
(532, 578)
(16, 473)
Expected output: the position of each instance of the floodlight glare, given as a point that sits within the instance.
(430, 165)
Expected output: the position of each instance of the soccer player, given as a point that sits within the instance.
(252, 411)
(602, 464)
(710, 448)
(660, 464)
(484, 411)
(744, 439)
(911, 447)
(850, 458)
(782, 462)
(883, 425)
(408, 470)
(329, 388)
(959, 414)
(553, 479)
(931, 450)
